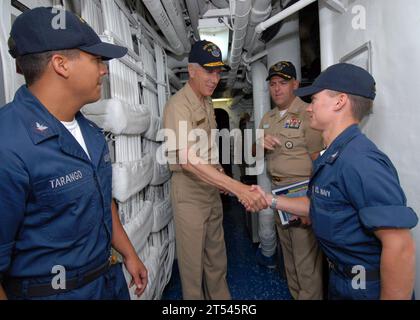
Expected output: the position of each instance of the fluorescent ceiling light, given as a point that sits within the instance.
(223, 100)
(217, 32)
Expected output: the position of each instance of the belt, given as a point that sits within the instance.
(276, 179)
(282, 181)
(347, 271)
(21, 288)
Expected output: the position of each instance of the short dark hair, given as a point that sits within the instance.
(33, 65)
(361, 107)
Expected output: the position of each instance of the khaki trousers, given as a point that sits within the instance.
(302, 261)
(200, 243)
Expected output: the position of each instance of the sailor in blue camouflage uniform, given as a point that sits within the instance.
(57, 217)
(355, 200)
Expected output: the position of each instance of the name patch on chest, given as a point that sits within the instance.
(64, 180)
(321, 191)
(200, 121)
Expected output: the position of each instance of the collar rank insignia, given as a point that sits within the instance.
(334, 156)
(40, 127)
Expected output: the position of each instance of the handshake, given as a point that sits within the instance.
(253, 198)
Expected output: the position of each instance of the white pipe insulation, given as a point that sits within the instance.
(154, 35)
(242, 10)
(194, 13)
(266, 224)
(203, 6)
(175, 81)
(159, 15)
(283, 15)
(174, 11)
(247, 61)
(260, 12)
(220, 3)
(174, 63)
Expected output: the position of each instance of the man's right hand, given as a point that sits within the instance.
(269, 142)
(267, 196)
(252, 201)
(306, 221)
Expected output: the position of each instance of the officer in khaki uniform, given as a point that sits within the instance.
(291, 147)
(198, 211)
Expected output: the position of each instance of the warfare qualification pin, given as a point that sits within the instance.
(289, 145)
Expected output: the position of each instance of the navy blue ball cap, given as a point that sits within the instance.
(283, 69)
(208, 55)
(345, 78)
(46, 29)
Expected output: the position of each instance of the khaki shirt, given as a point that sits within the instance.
(185, 106)
(290, 161)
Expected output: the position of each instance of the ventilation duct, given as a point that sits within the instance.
(159, 15)
(266, 224)
(242, 10)
(173, 7)
(260, 12)
(194, 13)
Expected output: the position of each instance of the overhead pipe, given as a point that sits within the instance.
(182, 5)
(203, 7)
(261, 27)
(194, 13)
(180, 70)
(242, 10)
(260, 12)
(247, 61)
(220, 4)
(273, 20)
(160, 16)
(125, 10)
(239, 85)
(175, 81)
(225, 77)
(283, 15)
(154, 34)
(174, 10)
(175, 63)
(143, 40)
